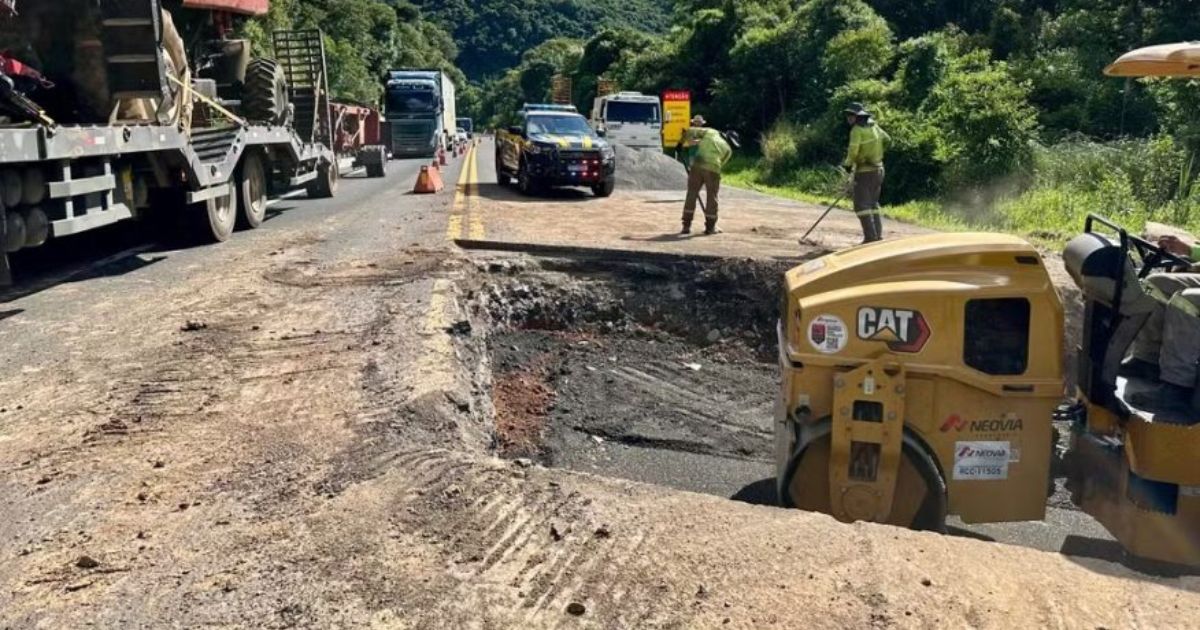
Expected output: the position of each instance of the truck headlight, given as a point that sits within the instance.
(540, 149)
(607, 154)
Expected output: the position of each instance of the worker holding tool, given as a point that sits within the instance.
(709, 152)
(1168, 346)
(864, 162)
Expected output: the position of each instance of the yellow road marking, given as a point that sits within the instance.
(454, 227)
(475, 207)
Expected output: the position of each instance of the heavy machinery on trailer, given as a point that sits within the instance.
(920, 378)
(420, 109)
(140, 128)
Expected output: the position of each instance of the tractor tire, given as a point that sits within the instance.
(326, 183)
(252, 185)
(806, 486)
(265, 93)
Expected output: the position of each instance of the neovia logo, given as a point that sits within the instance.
(975, 451)
(903, 330)
(1008, 424)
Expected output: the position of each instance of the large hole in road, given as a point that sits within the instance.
(660, 372)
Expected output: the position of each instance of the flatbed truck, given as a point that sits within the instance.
(59, 180)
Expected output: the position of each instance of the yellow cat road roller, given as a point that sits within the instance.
(921, 378)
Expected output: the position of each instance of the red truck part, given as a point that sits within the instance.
(243, 7)
(357, 134)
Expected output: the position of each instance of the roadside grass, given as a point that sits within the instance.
(1071, 182)
(744, 172)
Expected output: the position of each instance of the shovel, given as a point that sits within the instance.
(846, 189)
(822, 218)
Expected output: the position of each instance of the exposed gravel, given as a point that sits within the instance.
(648, 170)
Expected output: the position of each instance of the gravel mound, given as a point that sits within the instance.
(648, 170)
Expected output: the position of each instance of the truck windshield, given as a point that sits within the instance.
(411, 101)
(626, 112)
(559, 125)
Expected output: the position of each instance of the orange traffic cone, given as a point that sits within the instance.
(442, 156)
(428, 182)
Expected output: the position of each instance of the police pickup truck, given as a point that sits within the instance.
(554, 146)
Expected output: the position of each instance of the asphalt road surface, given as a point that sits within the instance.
(291, 429)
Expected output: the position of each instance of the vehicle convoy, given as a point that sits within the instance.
(632, 119)
(921, 377)
(419, 106)
(147, 128)
(554, 146)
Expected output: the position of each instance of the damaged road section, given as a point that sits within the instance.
(660, 372)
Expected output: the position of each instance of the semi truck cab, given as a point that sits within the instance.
(417, 105)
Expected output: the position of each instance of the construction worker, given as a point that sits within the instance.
(1168, 346)
(708, 154)
(864, 161)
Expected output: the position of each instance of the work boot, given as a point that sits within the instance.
(1163, 397)
(1138, 368)
(710, 227)
(687, 228)
(868, 228)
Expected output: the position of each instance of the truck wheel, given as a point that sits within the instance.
(326, 183)
(502, 178)
(265, 93)
(605, 188)
(213, 220)
(252, 192)
(525, 181)
(919, 499)
(378, 165)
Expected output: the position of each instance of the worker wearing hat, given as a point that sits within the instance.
(708, 154)
(864, 160)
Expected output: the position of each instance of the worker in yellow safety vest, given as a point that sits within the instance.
(708, 152)
(864, 161)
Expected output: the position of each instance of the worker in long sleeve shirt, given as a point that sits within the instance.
(864, 160)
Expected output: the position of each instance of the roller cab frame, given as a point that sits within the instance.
(1133, 469)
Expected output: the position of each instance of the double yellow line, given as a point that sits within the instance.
(466, 215)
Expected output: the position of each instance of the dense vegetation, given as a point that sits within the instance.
(364, 39)
(998, 108)
(493, 34)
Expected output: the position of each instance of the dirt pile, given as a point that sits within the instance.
(701, 303)
(648, 170)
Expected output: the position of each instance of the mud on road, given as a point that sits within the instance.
(660, 372)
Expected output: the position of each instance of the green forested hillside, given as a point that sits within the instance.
(492, 34)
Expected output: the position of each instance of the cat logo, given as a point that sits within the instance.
(903, 330)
